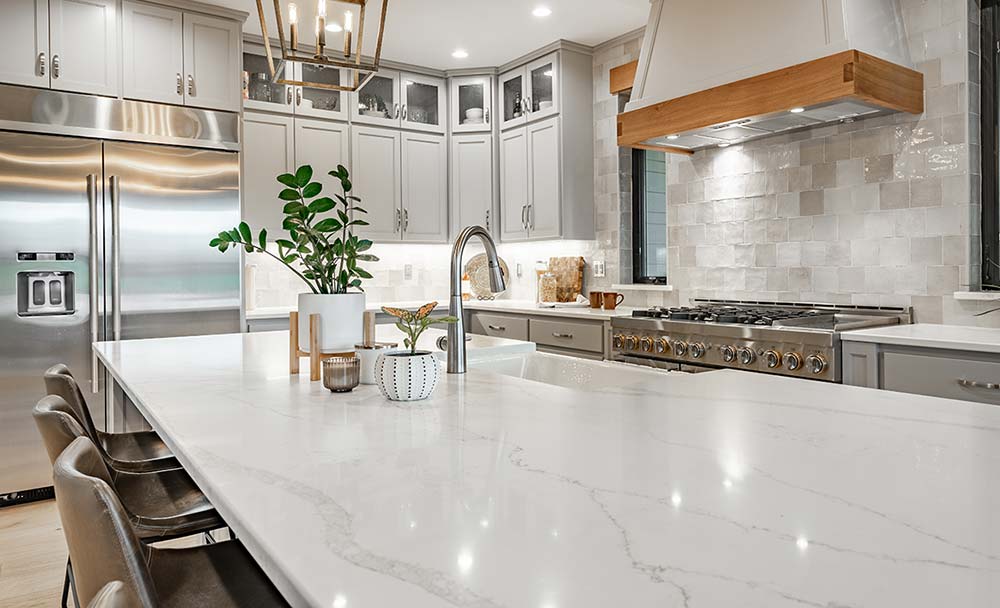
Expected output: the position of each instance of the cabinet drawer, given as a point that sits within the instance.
(575, 335)
(948, 377)
(500, 326)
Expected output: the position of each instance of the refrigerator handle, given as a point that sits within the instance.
(116, 266)
(94, 320)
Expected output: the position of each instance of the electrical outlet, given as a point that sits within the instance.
(407, 272)
(519, 272)
(599, 269)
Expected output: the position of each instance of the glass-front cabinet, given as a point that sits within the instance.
(471, 106)
(378, 102)
(317, 102)
(259, 93)
(424, 104)
(512, 98)
(530, 92)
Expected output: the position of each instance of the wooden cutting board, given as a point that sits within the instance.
(569, 277)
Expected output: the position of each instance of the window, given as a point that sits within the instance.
(649, 217)
(989, 122)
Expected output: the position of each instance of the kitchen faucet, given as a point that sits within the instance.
(456, 331)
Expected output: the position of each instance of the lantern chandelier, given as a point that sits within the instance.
(361, 70)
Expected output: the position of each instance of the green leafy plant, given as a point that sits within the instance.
(323, 251)
(414, 323)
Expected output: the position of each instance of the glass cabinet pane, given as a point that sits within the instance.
(472, 103)
(378, 98)
(257, 81)
(541, 87)
(321, 99)
(512, 102)
(422, 103)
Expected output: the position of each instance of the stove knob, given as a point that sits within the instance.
(728, 353)
(697, 350)
(680, 348)
(747, 356)
(816, 364)
(662, 346)
(793, 361)
(618, 341)
(647, 344)
(631, 343)
(773, 359)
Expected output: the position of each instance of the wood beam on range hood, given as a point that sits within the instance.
(842, 76)
(622, 77)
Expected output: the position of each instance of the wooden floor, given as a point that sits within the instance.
(32, 555)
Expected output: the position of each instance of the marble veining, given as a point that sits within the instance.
(711, 490)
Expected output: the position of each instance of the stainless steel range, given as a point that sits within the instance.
(801, 340)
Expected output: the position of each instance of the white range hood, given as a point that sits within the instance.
(716, 72)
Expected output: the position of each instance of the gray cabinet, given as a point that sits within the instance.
(472, 181)
(24, 30)
(153, 53)
(83, 41)
(376, 178)
(424, 188)
(573, 336)
(268, 151)
(211, 62)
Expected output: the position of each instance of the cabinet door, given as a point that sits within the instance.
(425, 188)
(321, 103)
(83, 38)
(543, 87)
(24, 30)
(377, 103)
(323, 145)
(471, 104)
(261, 93)
(512, 98)
(543, 214)
(211, 62)
(423, 100)
(513, 184)
(376, 179)
(472, 181)
(153, 53)
(268, 151)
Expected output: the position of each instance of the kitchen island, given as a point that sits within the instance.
(718, 489)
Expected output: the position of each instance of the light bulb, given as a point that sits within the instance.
(348, 21)
(321, 8)
(293, 13)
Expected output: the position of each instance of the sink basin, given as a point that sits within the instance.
(571, 372)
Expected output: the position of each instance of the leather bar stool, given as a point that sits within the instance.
(112, 595)
(135, 452)
(102, 542)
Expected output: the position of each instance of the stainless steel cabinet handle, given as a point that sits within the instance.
(406, 220)
(497, 327)
(556, 334)
(486, 115)
(395, 110)
(94, 320)
(404, 111)
(298, 96)
(180, 84)
(41, 64)
(116, 259)
(190, 84)
(55, 66)
(399, 221)
(524, 222)
(288, 95)
(531, 218)
(990, 386)
(487, 220)
(527, 105)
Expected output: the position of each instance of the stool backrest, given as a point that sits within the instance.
(102, 545)
(112, 595)
(59, 381)
(57, 425)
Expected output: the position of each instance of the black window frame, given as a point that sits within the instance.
(639, 224)
(989, 117)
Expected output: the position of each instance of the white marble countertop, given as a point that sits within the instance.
(531, 308)
(930, 335)
(709, 490)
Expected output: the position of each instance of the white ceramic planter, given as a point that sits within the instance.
(405, 377)
(341, 319)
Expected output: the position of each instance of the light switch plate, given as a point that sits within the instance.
(407, 272)
(519, 271)
(599, 269)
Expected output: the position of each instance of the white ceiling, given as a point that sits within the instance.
(425, 32)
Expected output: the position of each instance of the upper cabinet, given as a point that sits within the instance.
(530, 92)
(25, 32)
(211, 62)
(259, 92)
(153, 55)
(321, 103)
(471, 104)
(402, 100)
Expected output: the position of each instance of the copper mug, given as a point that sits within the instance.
(612, 300)
(596, 298)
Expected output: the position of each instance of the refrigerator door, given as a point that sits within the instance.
(165, 204)
(50, 215)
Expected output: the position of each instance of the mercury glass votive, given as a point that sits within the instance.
(341, 374)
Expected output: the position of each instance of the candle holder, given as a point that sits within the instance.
(341, 374)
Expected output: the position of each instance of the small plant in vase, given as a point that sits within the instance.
(410, 375)
(321, 250)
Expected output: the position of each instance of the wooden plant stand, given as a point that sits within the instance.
(314, 354)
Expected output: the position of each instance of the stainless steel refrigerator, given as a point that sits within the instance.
(102, 240)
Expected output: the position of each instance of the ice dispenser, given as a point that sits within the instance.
(45, 292)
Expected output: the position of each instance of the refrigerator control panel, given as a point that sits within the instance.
(45, 293)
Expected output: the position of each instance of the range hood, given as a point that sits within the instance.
(719, 72)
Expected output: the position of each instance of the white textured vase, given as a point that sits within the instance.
(341, 318)
(402, 376)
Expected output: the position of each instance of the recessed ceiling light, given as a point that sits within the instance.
(459, 54)
(542, 11)
(334, 27)
(672, 137)
(797, 110)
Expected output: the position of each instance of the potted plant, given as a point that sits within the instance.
(410, 375)
(323, 251)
